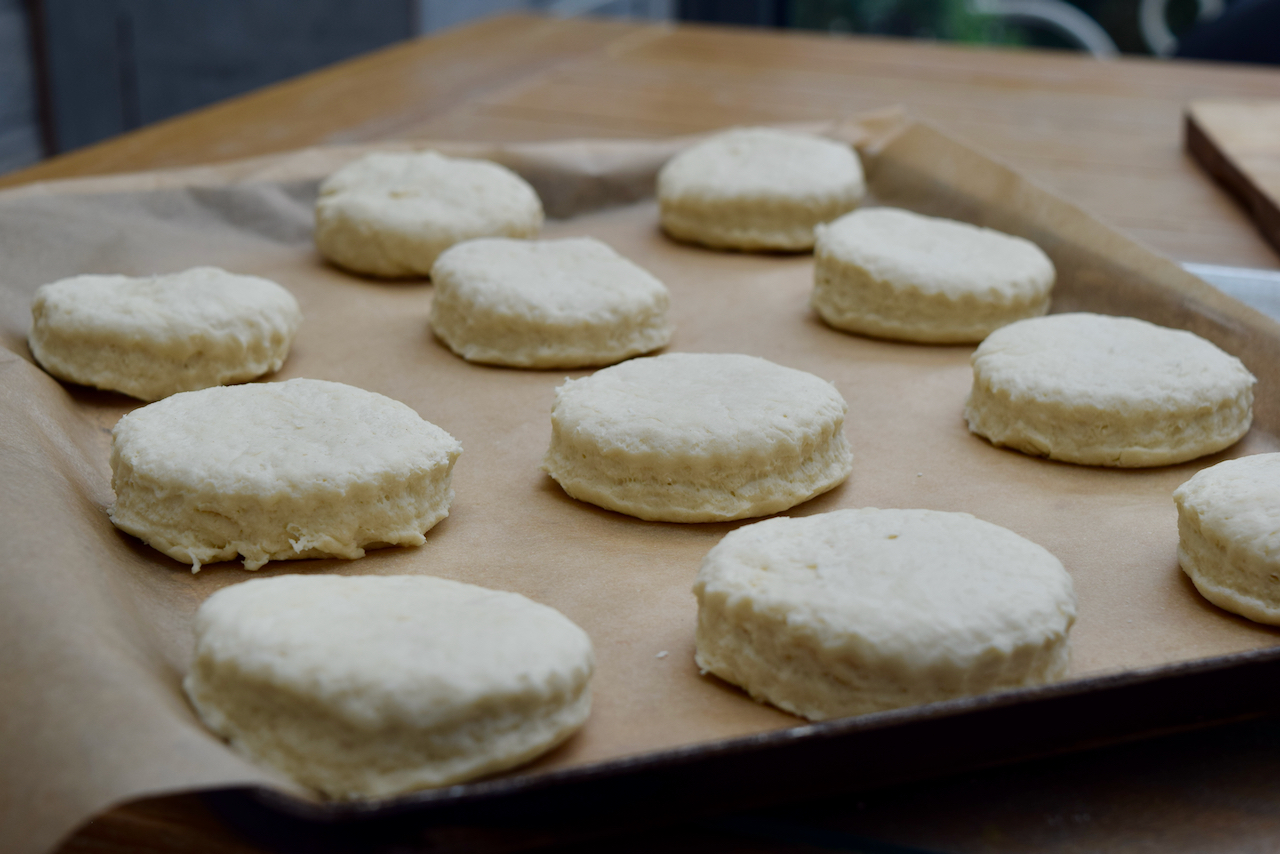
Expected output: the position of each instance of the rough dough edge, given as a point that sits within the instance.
(776, 669)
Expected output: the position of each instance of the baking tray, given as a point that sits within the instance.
(1151, 656)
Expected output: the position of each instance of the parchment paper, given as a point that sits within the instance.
(95, 626)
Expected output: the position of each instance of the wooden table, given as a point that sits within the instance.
(1105, 135)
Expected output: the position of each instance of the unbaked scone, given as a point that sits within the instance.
(1229, 535)
(277, 471)
(1107, 391)
(860, 611)
(391, 215)
(154, 336)
(896, 274)
(698, 437)
(758, 189)
(372, 686)
(546, 303)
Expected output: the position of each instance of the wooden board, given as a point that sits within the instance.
(1238, 142)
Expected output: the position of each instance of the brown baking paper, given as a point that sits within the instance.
(95, 626)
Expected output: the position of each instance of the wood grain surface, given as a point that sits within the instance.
(1238, 143)
(1103, 134)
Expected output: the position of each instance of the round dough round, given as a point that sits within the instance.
(154, 336)
(758, 189)
(859, 611)
(695, 437)
(372, 686)
(392, 215)
(546, 303)
(278, 471)
(1107, 391)
(1229, 535)
(895, 274)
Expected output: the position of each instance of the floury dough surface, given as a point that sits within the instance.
(698, 437)
(392, 214)
(891, 273)
(373, 686)
(154, 336)
(758, 189)
(1107, 391)
(860, 611)
(546, 303)
(1229, 535)
(278, 471)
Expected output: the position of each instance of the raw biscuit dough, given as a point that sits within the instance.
(1107, 391)
(696, 437)
(391, 215)
(546, 303)
(758, 189)
(154, 336)
(896, 274)
(860, 611)
(372, 686)
(278, 471)
(1229, 535)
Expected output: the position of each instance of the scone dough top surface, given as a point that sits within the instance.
(762, 163)
(922, 585)
(896, 274)
(176, 305)
(392, 214)
(1229, 532)
(380, 650)
(279, 471)
(758, 189)
(1103, 390)
(559, 280)
(695, 437)
(863, 610)
(939, 256)
(468, 195)
(703, 405)
(1240, 498)
(1108, 362)
(279, 437)
(369, 686)
(546, 303)
(157, 335)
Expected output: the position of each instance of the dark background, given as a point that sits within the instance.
(73, 72)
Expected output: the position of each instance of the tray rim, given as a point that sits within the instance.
(835, 730)
(773, 768)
